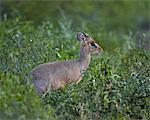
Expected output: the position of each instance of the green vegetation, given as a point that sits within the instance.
(116, 85)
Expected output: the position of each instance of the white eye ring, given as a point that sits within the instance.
(93, 45)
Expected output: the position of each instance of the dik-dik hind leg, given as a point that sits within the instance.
(79, 80)
(47, 90)
(41, 87)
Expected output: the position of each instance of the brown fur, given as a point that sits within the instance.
(56, 74)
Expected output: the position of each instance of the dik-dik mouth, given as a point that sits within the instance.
(100, 50)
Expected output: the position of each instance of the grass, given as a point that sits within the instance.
(114, 87)
(116, 84)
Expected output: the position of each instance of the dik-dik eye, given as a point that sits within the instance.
(93, 45)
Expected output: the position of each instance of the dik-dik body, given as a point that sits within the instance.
(56, 74)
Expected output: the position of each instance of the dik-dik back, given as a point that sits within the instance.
(57, 74)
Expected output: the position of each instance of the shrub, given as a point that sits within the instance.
(114, 87)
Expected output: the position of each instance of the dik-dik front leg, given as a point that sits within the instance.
(79, 80)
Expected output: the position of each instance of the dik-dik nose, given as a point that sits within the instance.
(100, 50)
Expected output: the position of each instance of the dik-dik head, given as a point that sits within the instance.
(88, 43)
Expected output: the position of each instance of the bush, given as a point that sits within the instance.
(114, 87)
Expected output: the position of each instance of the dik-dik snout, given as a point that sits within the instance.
(58, 73)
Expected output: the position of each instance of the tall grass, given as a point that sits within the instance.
(116, 85)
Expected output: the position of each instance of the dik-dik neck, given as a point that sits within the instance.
(85, 58)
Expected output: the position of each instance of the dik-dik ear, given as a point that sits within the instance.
(81, 36)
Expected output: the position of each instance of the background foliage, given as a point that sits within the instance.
(116, 85)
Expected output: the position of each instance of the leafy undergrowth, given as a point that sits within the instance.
(112, 89)
(116, 85)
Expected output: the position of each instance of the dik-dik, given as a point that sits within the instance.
(56, 74)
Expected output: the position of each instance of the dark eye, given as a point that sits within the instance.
(93, 45)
